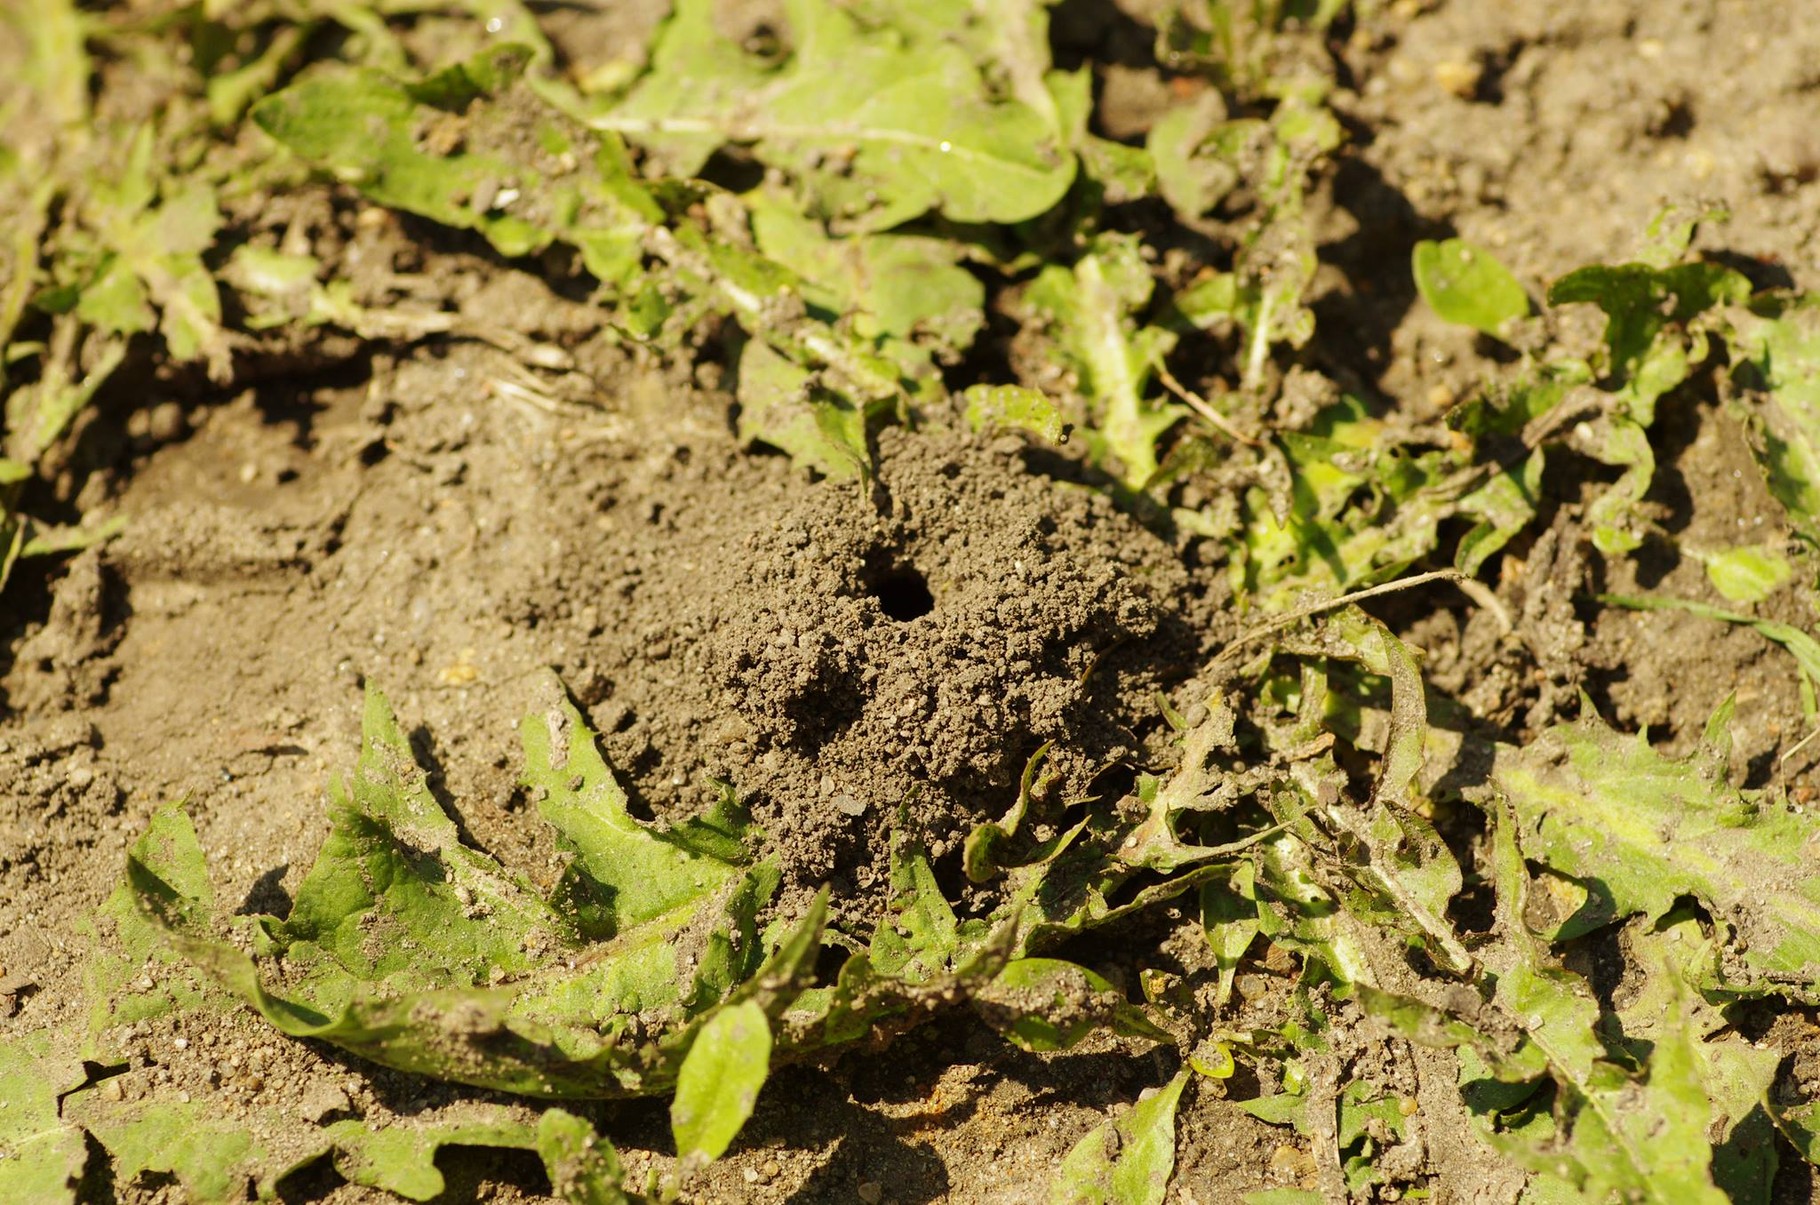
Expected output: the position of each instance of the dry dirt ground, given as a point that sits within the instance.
(402, 519)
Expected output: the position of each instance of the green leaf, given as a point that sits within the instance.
(1637, 830)
(368, 130)
(1749, 573)
(1093, 314)
(872, 125)
(786, 406)
(409, 948)
(1013, 406)
(1129, 1160)
(1640, 301)
(1465, 284)
(1046, 1004)
(1780, 345)
(1197, 152)
(718, 1085)
(41, 1155)
(582, 1165)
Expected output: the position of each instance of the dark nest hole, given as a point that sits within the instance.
(902, 593)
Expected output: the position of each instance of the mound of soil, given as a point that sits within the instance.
(844, 655)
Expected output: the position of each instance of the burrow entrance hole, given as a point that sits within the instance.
(902, 592)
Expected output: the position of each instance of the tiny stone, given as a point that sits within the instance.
(166, 422)
(871, 1192)
(847, 805)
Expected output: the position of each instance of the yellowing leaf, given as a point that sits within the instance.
(1638, 830)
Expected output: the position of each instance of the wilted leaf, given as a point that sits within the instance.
(1196, 152)
(1465, 284)
(904, 285)
(214, 1154)
(1127, 1161)
(409, 948)
(1229, 916)
(1357, 508)
(1642, 1137)
(1637, 831)
(1407, 865)
(1640, 304)
(1368, 1119)
(218, 1154)
(1502, 509)
(582, 1165)
(1676, 958)
(1046, 1004)
(370, 131)
(787, 407)
(1657, 315)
